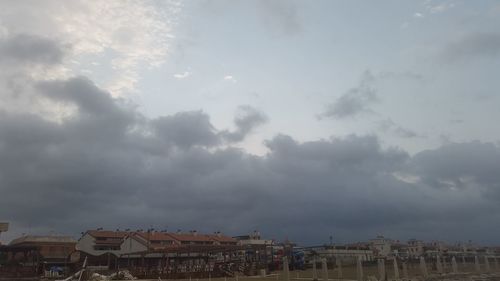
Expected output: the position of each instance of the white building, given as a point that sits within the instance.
(348, 253)
(415, 248)
(381, 246)
(98, 242)
(253, 239)
(119, 243)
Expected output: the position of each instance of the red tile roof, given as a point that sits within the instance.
(155, 236)
(191, 237)
(107, 234)
(118, 236)
(43, 239)
(222, 238)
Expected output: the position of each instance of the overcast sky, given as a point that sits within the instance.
(302, 119)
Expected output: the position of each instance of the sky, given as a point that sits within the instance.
(300, 119)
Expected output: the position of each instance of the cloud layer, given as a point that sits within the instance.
(108, 165)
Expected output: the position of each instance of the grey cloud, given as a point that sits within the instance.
(354, 101)
(81, 92)
(96, 169)
(28, 48)
(460, 165)
(186, 129)
(389, 126)
(100, 116)
(280, 15)
(408, 75)
(247, 118)
(472, 45)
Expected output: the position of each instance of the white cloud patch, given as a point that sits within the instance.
(129, 35)
(230, 78)
(436, 7)
(441, 8)
(179, 76)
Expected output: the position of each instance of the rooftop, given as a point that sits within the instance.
(107, 234)
(42, 239)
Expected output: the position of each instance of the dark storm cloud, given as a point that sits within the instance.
(186, 129)
(472, 45)
(81, 92)
(355, 101)
(109, 166)
(461, 165)
(24, 48)
(99, 115)
(247, 118)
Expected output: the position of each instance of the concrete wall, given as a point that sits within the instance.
(130, 245)
(86, 244)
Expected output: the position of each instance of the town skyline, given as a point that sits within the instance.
(328, 240)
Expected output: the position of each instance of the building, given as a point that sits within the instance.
(171, 255)
(381, 246)
(415, 248)
(253, 239)
(19, 261)
(220, 239)
(192, 238)
(100, 242)
(51, 248)
(399, 250)
(347, 254)
(52, 251)
(435, 248)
